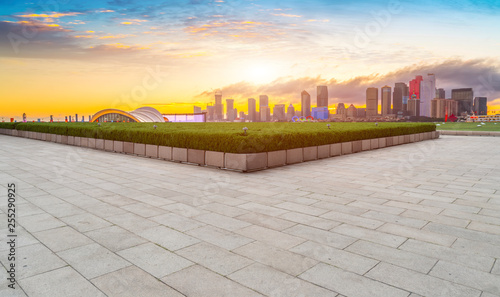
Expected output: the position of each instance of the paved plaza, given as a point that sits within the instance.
(420, 219)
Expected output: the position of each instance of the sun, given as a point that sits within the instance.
(261, 73)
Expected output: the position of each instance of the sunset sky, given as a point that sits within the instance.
(64, 57)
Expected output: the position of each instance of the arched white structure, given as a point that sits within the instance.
(143, 114)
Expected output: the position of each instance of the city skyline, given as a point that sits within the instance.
(70, 57)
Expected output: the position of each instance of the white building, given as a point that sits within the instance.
(427, 93)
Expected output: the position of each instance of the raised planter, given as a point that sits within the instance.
(84, 142)
(140, 149)
(276, 158)
(323, 151)
(365, 144)
(374, 143)
(246, 162)
(165, 152)
(108, 145)
(335, 149)
(346, 148)
(179, 154)
(310, 153)
(388, 141)
(58, 138)
(294, 156)
(215, 159)
(196, 156)
(71, 140)
(412, 138)
(77, 141)
(151, 151)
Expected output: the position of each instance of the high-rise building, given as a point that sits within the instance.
(305, 104)
(76, 117)
(210, 113)
(219, 107)
(427, 93)
(242, 116)
(398, 102)
(263, 100)
(341, 110)
(480, 106)
(451, 107)
(352, 112)
(371, 102)
(322, 96)
(438, 108)
(414, 106)
(440, 94)
(230, 114)
(464, 98)
(265, 114)
(290, 112)
(361, 112)
(196, 109)
(415, 86)
(279, 112)
(252, 112)
(386, 100)
(320, 113)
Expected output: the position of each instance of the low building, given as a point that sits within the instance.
(143, 114)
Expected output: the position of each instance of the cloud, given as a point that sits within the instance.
(481, 75)
(116, 36)
(133, 22)
(51, 15)
(287, 15)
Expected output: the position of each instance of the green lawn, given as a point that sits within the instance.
(469, 126)
(229, 137)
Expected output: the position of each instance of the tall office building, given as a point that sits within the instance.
(464, 98)
(265, 114)
(322, 96)
(210, 113)
(415, 86)
(305, 104)
(427, 93)
(371, 102)
(290, 112)
(438, 108)
(386, 100)
(230, 113)
(219, 107)
(263, 100)
(252, 112)
(279, 112)
(196, 109)
(440, 94)
(341, 109)
(398, 102)
(414, 106)
(480, 106)
(352, 112)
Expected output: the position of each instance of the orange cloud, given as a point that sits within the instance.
(84, 36)
(42, 26)
(52, 15)
(287, 15)
(116, 36)
(133, 22)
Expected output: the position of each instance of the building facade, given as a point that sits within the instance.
(427, 93)
(480, 105)
(305, 104)
(371, 102)
(322, 96)
(252, 112)
(464, 97)
(386, 100)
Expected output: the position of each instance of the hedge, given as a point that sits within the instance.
(228, 137)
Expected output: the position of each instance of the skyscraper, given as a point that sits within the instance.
(400, 91)
(440, 94)
(290, 112)
(251, 110)
(414, 106)
(322, 96)
(480, 107)
(263, 100)
(265, 114)
(352, 112)
(230, 113)
(305, 104)
(415, 86)
(427, 93)
(464, 98)
(371, 102)
(279, 112)
(219, 108)
(340, 109)
(386, 100)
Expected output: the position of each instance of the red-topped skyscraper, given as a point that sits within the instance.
(415, 86)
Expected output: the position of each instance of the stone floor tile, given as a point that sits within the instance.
(177, 222)
(348, 283)
(115, 238)
(62, 238)
(85, 222)
(219, 237)
(155, 260)
(132, 222)
(62, 282)
(369, 235)
(168, 238)
(321, 236)
(40, 222)
(271, 282)
(221, 221)
(309, 220)
(92, 260)
(133, 282)
(266, 221)
(215, 258)
(272, 237)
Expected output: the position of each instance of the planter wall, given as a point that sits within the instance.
(240, 162)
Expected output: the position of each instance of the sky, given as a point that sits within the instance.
(61, 57)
